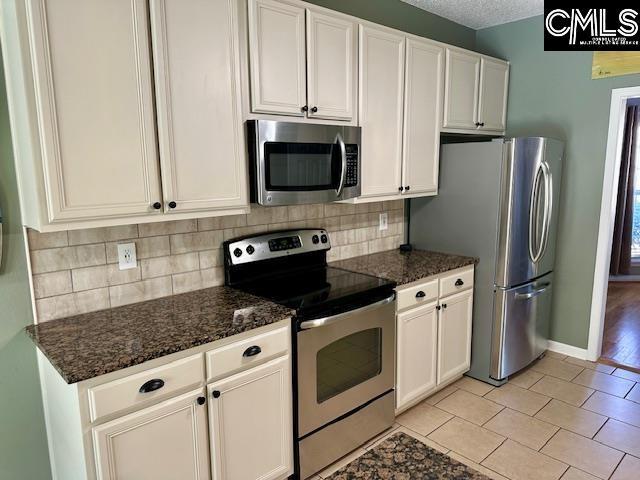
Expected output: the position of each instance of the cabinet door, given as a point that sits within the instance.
(95, 107)
(277, 57)
(331, 66)
(494, 84)
(251, 423)
(454, 335)
(202, 147)
(417, 359)
(164, 442)
(422, 114)
(462, 76)
(380, 112)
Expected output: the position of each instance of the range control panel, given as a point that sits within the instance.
(276, 244)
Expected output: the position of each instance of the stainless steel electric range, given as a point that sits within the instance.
(343, 342)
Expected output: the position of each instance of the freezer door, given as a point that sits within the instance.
(530, 190)
(521, 326)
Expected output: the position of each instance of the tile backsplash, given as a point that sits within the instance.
(76, 271)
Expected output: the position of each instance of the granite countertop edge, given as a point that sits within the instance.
(72, 344)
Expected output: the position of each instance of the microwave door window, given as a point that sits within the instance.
(299, 166)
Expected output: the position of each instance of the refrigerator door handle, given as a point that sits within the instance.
(548, 208)
(540, 240)
(535, 293)
(533, 211)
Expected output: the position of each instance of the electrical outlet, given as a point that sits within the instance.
(384, 221)
(127, 256)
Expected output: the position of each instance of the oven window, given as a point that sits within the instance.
(300, 166)
(348, 362)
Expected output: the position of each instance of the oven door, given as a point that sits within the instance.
(344, 362)
(298, 163)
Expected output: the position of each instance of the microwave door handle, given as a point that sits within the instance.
(343, 171)
(322, 322)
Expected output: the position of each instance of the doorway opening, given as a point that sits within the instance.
(614, 332)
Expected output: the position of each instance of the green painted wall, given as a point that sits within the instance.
(23, 442)
(405, 17)
(552, 94)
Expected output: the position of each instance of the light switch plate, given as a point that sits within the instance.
(384, 221)
(127, 256)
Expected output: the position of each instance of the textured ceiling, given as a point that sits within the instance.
(479, 14)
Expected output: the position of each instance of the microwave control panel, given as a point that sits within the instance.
(351, 177)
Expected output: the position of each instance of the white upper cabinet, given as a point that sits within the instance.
(462, 80)
(381, 109)
(94, 100)
(167, 441)
(494, 84)
(277, 57)
(422, 113)
(200, 126)
(475, 95)
(331, 66)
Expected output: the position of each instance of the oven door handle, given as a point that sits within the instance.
(323, 322)
(343, 171)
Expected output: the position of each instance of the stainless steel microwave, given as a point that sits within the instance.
(296, 163)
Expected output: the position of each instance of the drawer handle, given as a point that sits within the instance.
(151, 385)
(459, 282)
(252, 351)
(421, 294)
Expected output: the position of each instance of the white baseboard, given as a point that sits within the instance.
(570, 350)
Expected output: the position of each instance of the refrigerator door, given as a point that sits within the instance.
(521, 326)
(532, 168)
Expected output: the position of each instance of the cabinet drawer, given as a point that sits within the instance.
(126, 392)
(456, 282)
(419, 294)
(247, 353)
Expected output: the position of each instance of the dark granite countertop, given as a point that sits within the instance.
(92, 344)
(404, 267)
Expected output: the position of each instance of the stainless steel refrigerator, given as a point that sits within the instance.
(498, 201)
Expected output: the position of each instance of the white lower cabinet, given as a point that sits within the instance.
(454, 335)
(417, 334)
(434, 338)
(250, 423)
(167, 441)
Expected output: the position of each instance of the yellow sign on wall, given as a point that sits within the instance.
(614, 64)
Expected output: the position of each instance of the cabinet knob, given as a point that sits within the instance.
(201, 400)
(157, 206)
(444, 305)
(477, 124)
(151, 385)
(173, 204)
(304, 108)
(459, 282)
(400, 189)
(407, 188)
(421, 294)
(314, 109)
(215, 394)
(438, 307)
(252, 351)
(482, 124)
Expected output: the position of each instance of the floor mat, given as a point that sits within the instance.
(402, 457)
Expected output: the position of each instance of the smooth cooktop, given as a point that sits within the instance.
(324, 290)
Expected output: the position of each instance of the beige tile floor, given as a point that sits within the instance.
(562, 418)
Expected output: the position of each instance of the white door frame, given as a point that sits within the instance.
(619, 97)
